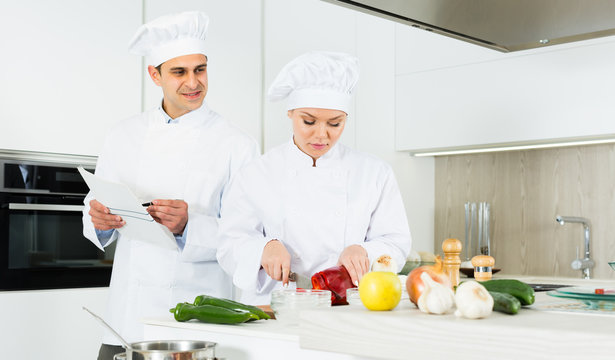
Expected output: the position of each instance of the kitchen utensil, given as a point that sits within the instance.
(121, 339)
(469, 272)
(162, 349)
(473, 234)
(169, 350)
(288, 303)
(467, 239)
(300, 280)
(452, 248)
(483, 267)
(486, 239)
(592, 301)
(480, 228)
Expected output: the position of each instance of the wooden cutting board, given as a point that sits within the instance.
(267, 309)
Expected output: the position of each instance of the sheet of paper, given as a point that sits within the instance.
(121, 201)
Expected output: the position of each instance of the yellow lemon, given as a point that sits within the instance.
(380, 290)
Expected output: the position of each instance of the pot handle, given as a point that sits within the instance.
(120, 356)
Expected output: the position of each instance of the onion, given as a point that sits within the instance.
(414, 284)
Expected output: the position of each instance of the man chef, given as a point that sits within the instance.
(311, 203)
(179, 156)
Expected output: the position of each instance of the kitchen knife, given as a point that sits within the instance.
(301, 281)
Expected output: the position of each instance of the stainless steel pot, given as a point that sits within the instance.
(169, 350)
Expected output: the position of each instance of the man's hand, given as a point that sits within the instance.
(171, 213)
(102, 218)
(276, 261)
(355, 260)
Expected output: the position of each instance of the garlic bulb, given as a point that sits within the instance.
(473, 300)
(436, 298)
(413, 256)
(385, 263)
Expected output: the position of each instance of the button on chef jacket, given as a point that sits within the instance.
(316, 212)
(192, 158)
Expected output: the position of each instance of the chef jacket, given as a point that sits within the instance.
(192, 159)
(316, 211)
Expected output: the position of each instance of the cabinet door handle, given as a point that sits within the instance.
(45, 207)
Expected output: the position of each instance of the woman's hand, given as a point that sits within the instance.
(355, 260)
(171, 213)
(276, 261)
(102, 218)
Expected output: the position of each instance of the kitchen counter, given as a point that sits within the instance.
(269, 339)
(353, 332)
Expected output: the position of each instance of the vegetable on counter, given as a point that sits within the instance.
(516, 288)
(505, 303)
(473, 301)
(436, 298)
(230, 304)
(211, 314)
(335, 279)
(415, 285)
(385, 263)
(215, 310)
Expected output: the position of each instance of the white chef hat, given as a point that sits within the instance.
(170, 36)
(317, 79)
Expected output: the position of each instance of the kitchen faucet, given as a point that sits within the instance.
(586, 263)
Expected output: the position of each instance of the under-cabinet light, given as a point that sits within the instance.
(476, 150)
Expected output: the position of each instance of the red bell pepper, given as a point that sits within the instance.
(335, 279)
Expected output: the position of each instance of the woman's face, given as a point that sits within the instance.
(317, 130)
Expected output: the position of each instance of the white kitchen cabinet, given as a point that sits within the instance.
(419, 50)
(66, 73)
(470, 96)
(234, 59)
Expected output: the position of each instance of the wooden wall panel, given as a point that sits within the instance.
(527, 190)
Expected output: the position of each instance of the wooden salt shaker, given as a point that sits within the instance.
(482, 267)
(452, 249)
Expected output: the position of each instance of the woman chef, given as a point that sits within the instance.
(310, 203)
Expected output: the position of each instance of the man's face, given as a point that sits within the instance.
(184, 83)
(315, 131)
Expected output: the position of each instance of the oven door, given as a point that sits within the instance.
(42, 244)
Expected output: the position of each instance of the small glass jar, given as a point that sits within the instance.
(353, 297)
(288, 303)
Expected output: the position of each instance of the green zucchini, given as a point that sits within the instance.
(230, 304)
(211, 314)
(505, 303)
(516, 288)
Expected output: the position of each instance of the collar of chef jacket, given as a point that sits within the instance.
(192, 118)
(330, 159)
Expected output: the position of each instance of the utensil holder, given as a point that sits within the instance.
(477, 229)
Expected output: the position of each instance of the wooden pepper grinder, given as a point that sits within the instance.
(482, 267)
(452, 249)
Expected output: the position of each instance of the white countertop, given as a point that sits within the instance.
(353, 332)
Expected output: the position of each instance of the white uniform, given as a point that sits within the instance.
(191, 159)
(348, 198)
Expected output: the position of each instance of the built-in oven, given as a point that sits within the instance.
(41, 232)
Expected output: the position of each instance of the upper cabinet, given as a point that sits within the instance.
(66, 73)
(451, 94)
